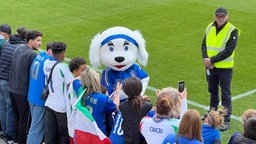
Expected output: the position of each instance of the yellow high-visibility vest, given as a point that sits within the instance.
(217, 43)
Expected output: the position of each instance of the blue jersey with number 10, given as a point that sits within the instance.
(117, 134)
(37, 79)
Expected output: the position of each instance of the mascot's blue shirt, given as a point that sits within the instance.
(109, 76)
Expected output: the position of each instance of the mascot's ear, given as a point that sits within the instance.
(94, 53)
(143, 54)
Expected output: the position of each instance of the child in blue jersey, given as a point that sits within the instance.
(96, 102)
(190, 130)
(212, 120)
(117, 134)
(36, 85)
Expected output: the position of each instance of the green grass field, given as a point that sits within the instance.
(173, 30)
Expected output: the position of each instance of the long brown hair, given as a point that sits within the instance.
(191, 126)
(132, 87)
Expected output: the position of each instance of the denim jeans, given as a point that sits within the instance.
(6, 112)
(36, 131)
(56, 127)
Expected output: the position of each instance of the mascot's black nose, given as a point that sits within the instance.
(119, 59)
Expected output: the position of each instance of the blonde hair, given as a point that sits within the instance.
(191, 126)
(176, 101)
(91, 81)
(216, 118)
(247, 114)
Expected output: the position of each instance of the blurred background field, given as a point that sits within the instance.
(173, 30)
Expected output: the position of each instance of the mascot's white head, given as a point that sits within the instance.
(118, 48)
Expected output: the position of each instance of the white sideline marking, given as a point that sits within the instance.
(192, 102)
(243, 94)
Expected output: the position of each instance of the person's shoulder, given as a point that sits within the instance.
(123, 105)
(169, 139)
(146, 118)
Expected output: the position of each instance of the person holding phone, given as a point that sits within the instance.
(218, 48)
(170, 107)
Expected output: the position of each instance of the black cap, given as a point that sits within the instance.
(221, 10)
(6, 28)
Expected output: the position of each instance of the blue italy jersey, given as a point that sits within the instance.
(37, 79)
(117, 134)
(109, 76)
(210, 134)
(171, 139)
(97, 104)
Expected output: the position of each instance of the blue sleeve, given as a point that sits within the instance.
(140, 72)
(76, 86)
(110, 106)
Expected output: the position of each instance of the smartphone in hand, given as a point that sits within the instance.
(181, 86)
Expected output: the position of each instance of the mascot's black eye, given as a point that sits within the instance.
(111, 48)
(126, 45)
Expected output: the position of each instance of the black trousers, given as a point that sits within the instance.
(22, 118)
(220, 78)
(56, 127)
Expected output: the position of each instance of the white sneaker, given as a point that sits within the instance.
(10, 142)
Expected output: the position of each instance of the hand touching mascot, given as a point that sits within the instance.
(118, 48)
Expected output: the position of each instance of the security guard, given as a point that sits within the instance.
(218, 47)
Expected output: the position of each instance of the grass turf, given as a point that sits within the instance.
(173, 30)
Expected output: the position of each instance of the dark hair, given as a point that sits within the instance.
(250, 128)
(22, 31)
(57, 47)
(132, 87)
(75, 63)
(33, 34)
(6, 28)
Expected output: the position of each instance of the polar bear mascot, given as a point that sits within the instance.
(118, 48)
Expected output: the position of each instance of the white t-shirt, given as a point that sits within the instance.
(61, 77)
(156, 131)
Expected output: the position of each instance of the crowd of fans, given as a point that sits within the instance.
(27, 118)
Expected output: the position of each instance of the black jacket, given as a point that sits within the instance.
(240, 139)
(23, 57)
(7, 53)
